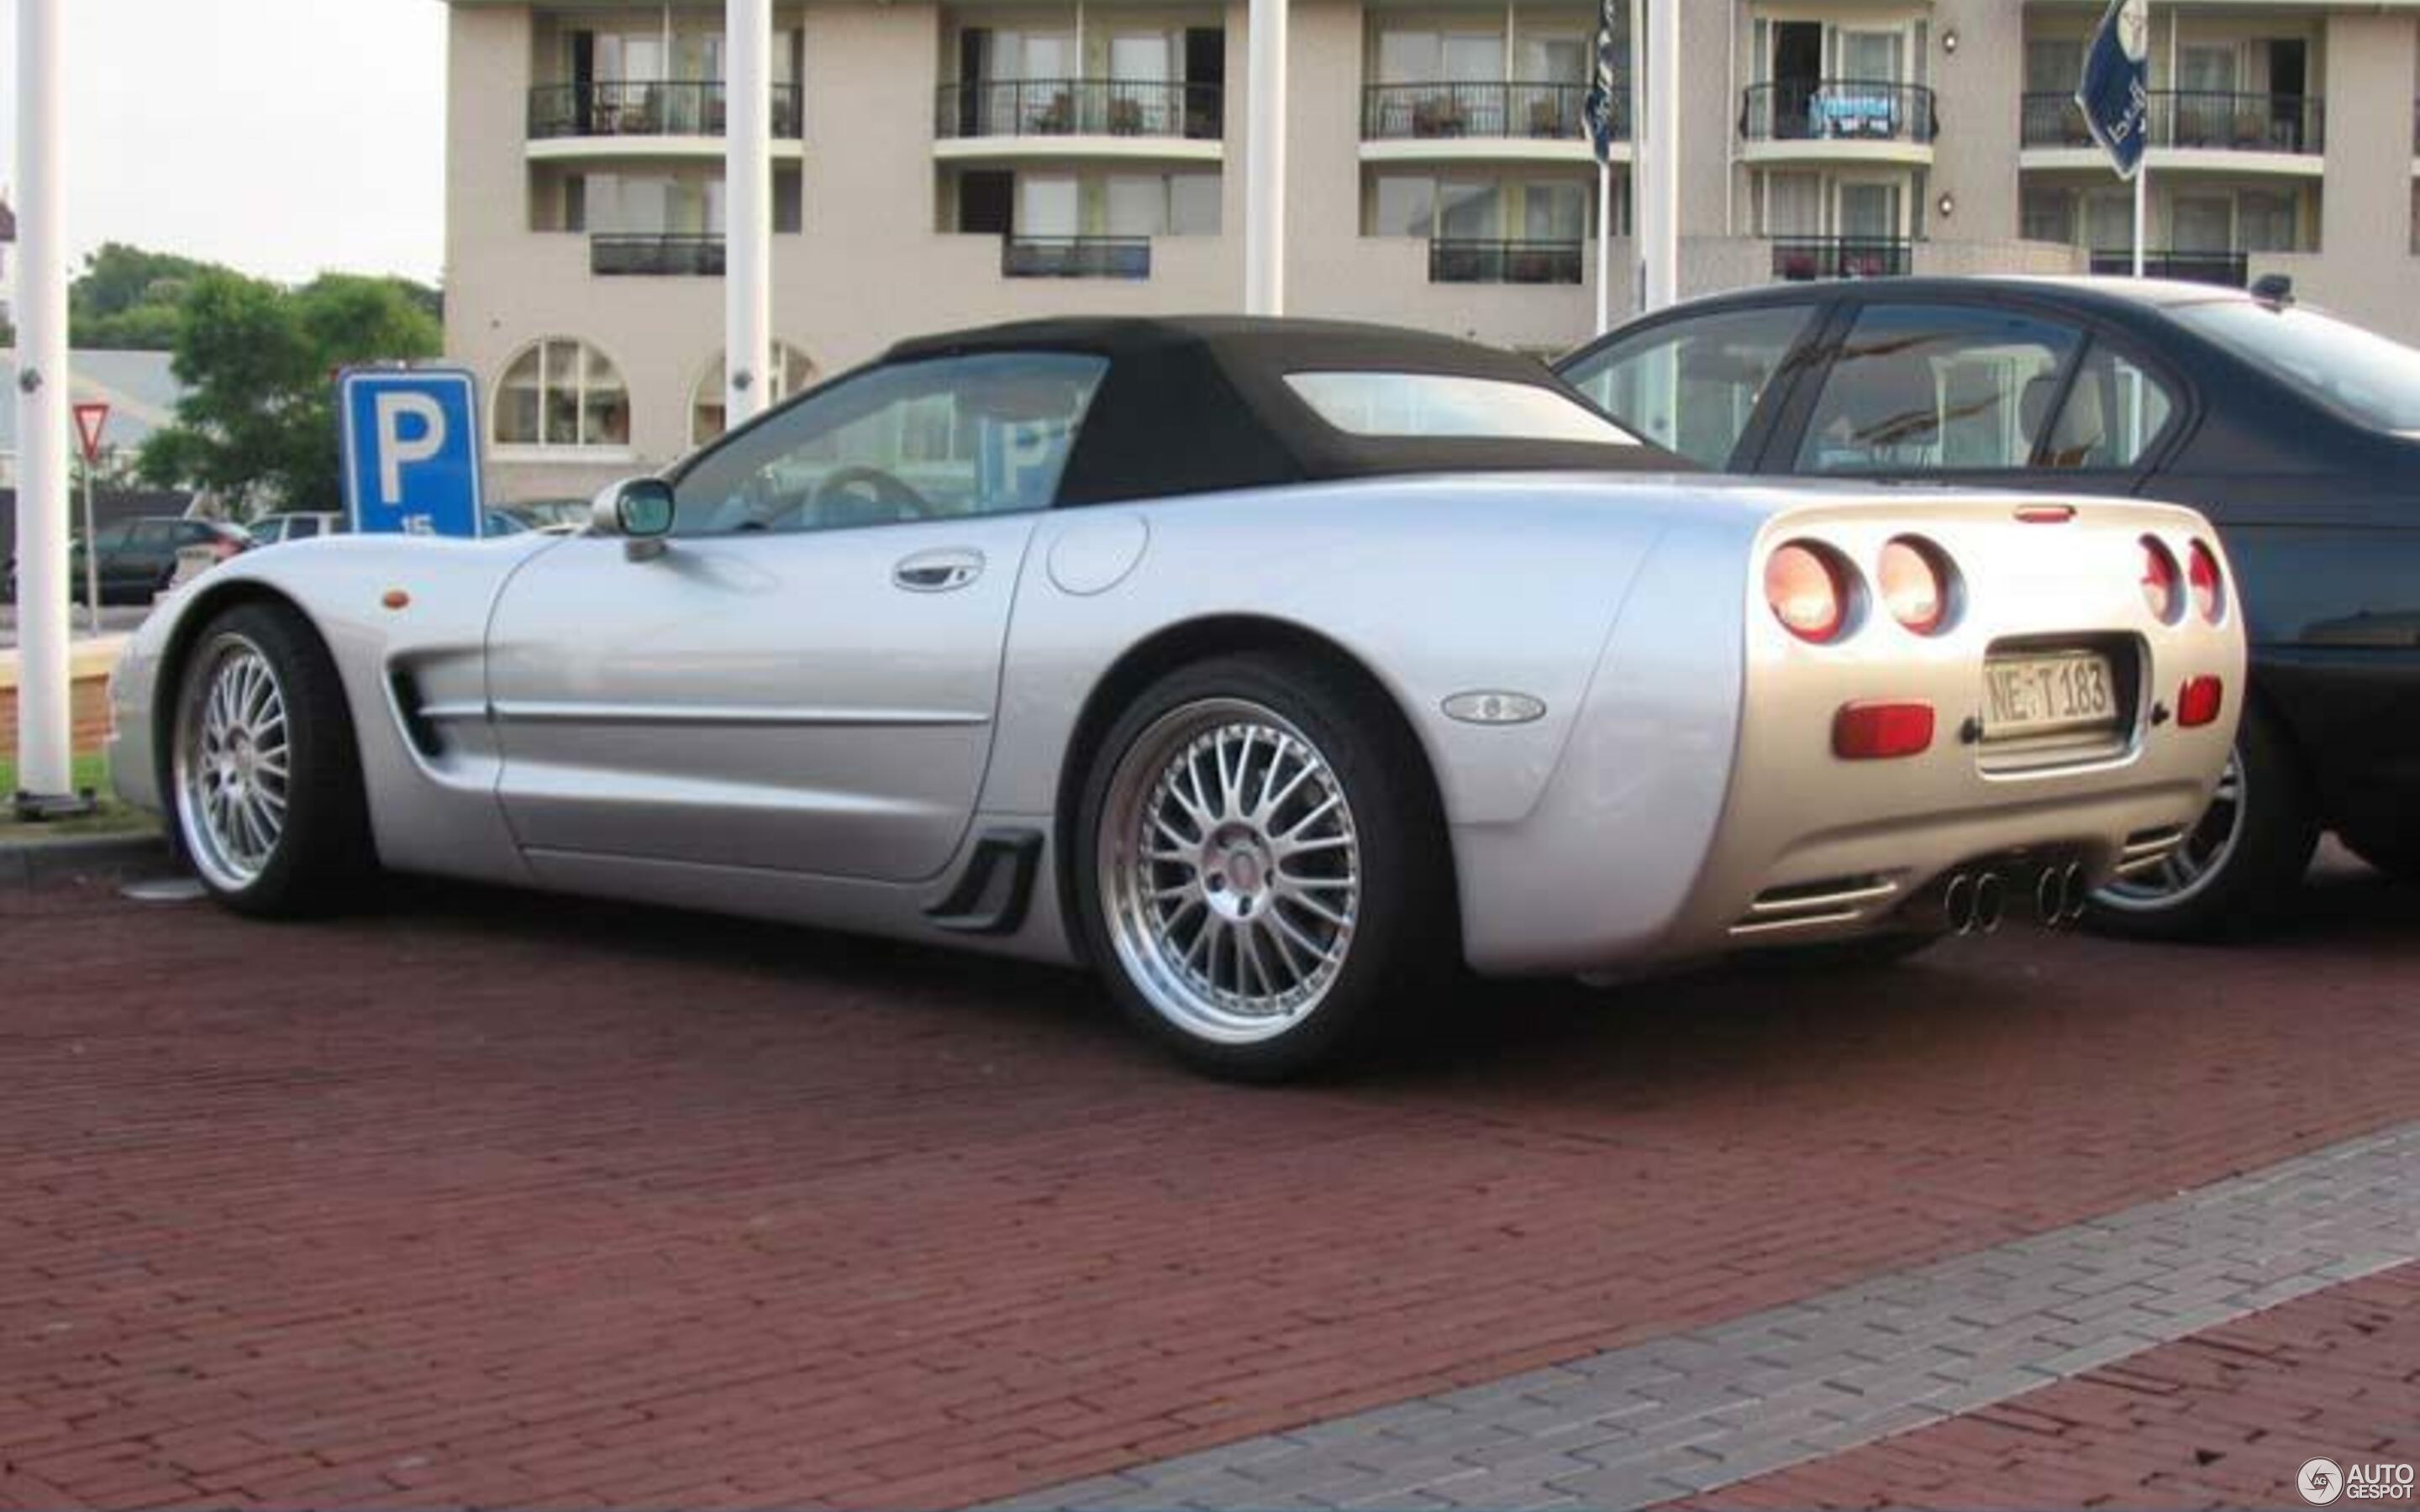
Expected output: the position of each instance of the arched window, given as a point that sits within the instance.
(791, 373)
(561, 392)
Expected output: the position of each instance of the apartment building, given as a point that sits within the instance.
(942, 162)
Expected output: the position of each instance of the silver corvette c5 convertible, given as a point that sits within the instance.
(1275, 669)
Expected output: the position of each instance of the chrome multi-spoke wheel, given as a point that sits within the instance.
(1231, 870)
(2198, 859)
(234, 765)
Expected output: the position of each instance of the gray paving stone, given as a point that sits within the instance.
(1694, 1412)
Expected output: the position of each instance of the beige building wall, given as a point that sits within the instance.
(872, 261)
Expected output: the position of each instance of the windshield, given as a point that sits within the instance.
(1445, 404)
(2357, 373)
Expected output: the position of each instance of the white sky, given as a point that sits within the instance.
(282, 137)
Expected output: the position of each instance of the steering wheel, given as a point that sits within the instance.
(882, 490)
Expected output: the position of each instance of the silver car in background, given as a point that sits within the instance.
(1278, 670)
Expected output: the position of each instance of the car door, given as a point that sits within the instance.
(1991, 394)
(804, 677)
(144, 563)
(1706, 385)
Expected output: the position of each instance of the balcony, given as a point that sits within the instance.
(616, 254)
(1493, 119)
(1839, 119)
(2284, 132)
(2230, 268)
(648, 109)
(1804, 259)
(1456, 261)
(1075, 257)
(1095, 117)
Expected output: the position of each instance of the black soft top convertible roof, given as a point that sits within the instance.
(1196, 403)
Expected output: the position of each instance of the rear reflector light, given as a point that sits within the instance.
(1879, 732)
(1808, 588)
(2163, 588)
(2201, 572)
(2046, 513)
(1914, 578)
(2199, 700)
(222, 549)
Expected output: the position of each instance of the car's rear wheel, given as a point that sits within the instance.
(1264, 875)
(264, 771)
(2241, 864)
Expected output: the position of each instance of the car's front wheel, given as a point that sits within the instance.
(264, 772)
(2242, 863)
(1264, 877)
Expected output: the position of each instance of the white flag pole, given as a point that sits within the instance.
(1603, 247)
(2142, 209)
(748, 190)
(45, 772)
(1265, 160)
(1664, 146)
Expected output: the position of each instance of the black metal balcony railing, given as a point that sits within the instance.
(1839, 110)
(642, 107)
(1801, 260)
(1456, 261)
(1398, 112)
(2193, 118)
(1082, 107)
(1075, 257)
(621, 255)
(2231, 268)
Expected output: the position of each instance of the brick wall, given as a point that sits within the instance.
(90, 703)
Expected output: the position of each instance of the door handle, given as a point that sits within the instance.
(938, 572)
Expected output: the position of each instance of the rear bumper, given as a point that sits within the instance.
(1701, 782)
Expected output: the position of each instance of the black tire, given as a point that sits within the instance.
(2396, 855)
(322, 853)
(2253, 874)
(1403, 939)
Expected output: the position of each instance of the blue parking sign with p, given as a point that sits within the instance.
(412, 451)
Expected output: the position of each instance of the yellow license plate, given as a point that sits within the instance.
(2026, 696)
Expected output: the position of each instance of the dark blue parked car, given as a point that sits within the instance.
(2297, 433)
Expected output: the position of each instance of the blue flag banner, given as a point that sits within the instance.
(2114, 93)
(1605, 84)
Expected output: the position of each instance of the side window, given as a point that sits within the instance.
(154, 534)
(1929, 389)
(194, 532)
(115, 537)
(934, 439)
(2112, 416)
(1692, 386)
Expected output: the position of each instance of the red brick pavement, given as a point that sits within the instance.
(492, 1201)
(2225, 1418)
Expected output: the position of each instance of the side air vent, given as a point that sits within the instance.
(410, 709)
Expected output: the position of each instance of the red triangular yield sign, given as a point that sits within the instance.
(90, 417)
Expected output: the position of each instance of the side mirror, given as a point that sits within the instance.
(639, 510)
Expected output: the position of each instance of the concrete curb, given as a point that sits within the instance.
(30, 863)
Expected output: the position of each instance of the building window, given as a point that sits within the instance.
(562, 392)
(791, 373)
(2049, 215)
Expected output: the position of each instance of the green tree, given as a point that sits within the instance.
(125, 298)
(257, 425)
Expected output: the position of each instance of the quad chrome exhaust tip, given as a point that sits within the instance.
(1990, 900)
(1958, 905)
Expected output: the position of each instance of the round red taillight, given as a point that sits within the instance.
(1808, 591)
(2201, 572)
(2163, 586)
(1915, 580)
